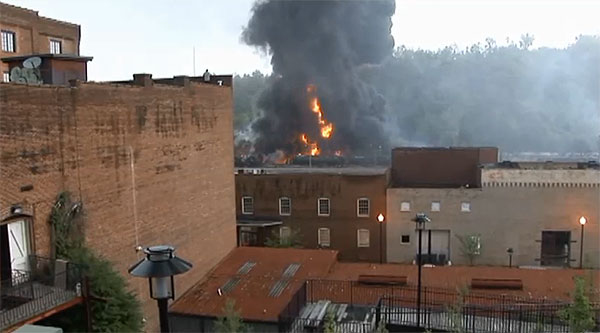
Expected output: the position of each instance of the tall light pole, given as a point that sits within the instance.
(159, 266)
(380, 220)
(420, 219)
(582, 221)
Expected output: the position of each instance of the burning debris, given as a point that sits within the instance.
(317, 104)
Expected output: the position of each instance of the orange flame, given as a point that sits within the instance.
(326, 127)
(313, 146)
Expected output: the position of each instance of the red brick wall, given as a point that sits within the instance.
(33, 32)
(80, 138)
(304, 189)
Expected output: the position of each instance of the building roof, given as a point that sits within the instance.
(62, 56)
(257, 221)
(538, 282)
(261, 280)
(547, 165)
(350, 171)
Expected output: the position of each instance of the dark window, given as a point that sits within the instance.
(405, 239)
(285, 206)
(247, 205)
(323, 207)
(8, 41)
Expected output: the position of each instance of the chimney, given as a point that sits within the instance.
(143, 80)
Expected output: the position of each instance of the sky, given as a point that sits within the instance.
(160, 36)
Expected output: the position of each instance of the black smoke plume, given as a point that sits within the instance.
(323, 43)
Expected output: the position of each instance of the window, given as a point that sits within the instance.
(405, 239)
(5, 77)
(405, 206)
(55, 46)
(362, 207)
(323, 209)
(247, 205)
(285, 206)
(324, 239)
(465, 206)
(284, 234)
(476, 241)
(8, 41)
(435, 206)
(362, 237)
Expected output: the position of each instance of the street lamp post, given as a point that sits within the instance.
(159, 266)
(582, 221)
(420, 219)
(380, 220)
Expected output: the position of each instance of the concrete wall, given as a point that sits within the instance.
(33, 32)
(505, 217)
(304, 190)
(83, 139)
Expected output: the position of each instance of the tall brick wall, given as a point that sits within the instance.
(82, 139)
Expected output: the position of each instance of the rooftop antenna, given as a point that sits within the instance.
(194, 60)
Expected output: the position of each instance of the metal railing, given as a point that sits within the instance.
(47, 284)
(440, 309)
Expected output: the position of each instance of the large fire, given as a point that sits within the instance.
(325, 127)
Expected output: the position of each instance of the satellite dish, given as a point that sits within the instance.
(33, 62)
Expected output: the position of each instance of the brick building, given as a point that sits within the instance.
(151, 161)
(25, 32)
(531, 208)
(332, 208)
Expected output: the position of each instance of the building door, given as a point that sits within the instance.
(20, 245)
(248, 236)
(556, 248)
(435, 246)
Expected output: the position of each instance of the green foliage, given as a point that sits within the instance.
(580, 314)
(232, 321)
(381, 327)
(117, 309)
(294, 239)
(330, 324)
(246, 93)
(455, 310)
(470, 246)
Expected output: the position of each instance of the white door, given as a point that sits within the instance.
(19, 244)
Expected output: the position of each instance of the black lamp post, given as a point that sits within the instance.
(420, 219)
(380, 220)
(159, 266)
(582, 221)
(510, 253)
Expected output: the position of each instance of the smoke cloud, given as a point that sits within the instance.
(321, 43)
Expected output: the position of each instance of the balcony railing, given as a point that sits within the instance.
(46, 285)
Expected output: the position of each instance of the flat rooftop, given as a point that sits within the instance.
(548, 165)
(351, 171)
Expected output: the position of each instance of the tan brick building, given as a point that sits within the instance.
(25, 32)
(531, 208)
(151, 161)
(320, 205)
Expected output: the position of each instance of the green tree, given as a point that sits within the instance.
(330, 324)
(293, 239)
(470, 247)
(579, 314)
(381, 327)
(115, 309)
(455, 310)
(231, 322)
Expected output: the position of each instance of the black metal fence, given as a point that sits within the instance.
(45, 285)
(440, 309)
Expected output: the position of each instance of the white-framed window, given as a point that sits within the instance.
(323, 207)
(405, 206)
(405, 239)
(247, 205)
(284, 233)
(435, 206)
(363, 207)
(9, 41)
(324, 237)
(6, 77)
(362, 238)
(465, 206)
(285, 206)
(55, 46)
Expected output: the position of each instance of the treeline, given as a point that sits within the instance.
(514, 97)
